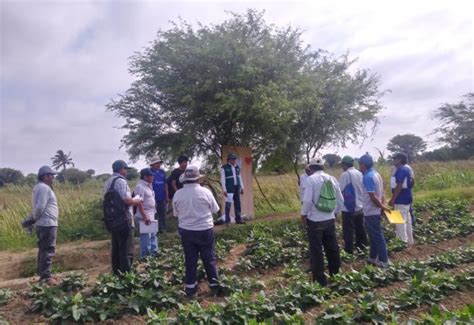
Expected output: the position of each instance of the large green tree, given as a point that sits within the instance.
(242, 82)
(409, 144)
(457, 126)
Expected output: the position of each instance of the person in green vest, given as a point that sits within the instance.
(233, 187)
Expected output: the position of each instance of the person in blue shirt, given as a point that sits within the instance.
(161, 192)
(402, 197)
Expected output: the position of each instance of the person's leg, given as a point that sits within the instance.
(144, 245)
(161, 212)
(208, 256)
(191, 254)
(237, 207)
(405, 212)
(360, 233)
(348, 231)
(153, 244)
(331, 247)
(401, 229)
(370, 225)
(131, 246)
(123, 247)
(115, 253)
(46, 250)
(228, 205)
(315, 237)
(412, 214)
(377, 237)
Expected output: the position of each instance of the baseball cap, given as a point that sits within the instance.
(119, 164)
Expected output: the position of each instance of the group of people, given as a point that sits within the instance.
(359, 196)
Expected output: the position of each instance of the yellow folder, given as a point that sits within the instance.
(394, 216)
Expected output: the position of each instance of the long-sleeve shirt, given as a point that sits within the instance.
(311, 197)
(194, 206)
(352, 175)
(235, 178)
(45, 206)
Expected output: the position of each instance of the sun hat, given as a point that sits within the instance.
(119, 164)
(366, 160)
(155, 159)
(347, 160)
(44, 170)
(316, 162)
(190, 174)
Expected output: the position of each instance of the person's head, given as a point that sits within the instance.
(347, 162)
(190, 175)
(366, 162)
(400, 159)
(46, 175)
(120, 167)
(183, 162)
(232, 158)
(155, 162)
(146, 174)
(316, 165)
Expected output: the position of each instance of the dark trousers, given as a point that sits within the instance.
(323, 234)
(161, 215)
(237, 207)
(353, 223)
(122, 250)
(46, 250)
(197, 243)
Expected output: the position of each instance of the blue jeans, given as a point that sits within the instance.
(148, 245)
(378, 247)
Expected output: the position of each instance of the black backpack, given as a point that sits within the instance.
(115, 210)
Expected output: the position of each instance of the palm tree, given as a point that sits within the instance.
(62, 160)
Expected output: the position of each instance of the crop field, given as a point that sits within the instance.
(263, 265)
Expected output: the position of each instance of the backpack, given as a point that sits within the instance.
(115, 210)
(349, 196)
(327, 197)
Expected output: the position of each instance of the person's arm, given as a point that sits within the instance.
(307, 200)
(40, 199)
(241, 183)
(173, 182)
(140, 191)
(223, 182)
(339, 197)
(377, 202)
(344, 180)
(212, 202)
(400, 177)
(167, 198)
(370, 187)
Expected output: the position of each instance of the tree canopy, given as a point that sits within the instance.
(409, 144)
(242, 82)
(457, 127)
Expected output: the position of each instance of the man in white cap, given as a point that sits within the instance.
(319, 213)
(45, 215)
(161, 191)
(194, 206)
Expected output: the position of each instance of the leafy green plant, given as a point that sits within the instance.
(5, 296)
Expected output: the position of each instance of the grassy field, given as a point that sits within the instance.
(80, 210)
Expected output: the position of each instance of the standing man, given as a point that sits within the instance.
(232, 185)
(320, 225)
(352, 215)
(402, 197)
(372, 201)
(174, 183)
(146, 212)
(122, 241)
(194, 206)
(45, 214)
(161, 191)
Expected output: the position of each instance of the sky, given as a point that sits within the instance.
(61, 62)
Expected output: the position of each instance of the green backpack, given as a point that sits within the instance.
(327, 198)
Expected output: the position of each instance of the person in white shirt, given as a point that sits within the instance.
(352, 214)
(146, 211)
(231, 182)
(194, 206)
(320, 225)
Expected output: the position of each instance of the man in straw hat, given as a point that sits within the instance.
(194, 206)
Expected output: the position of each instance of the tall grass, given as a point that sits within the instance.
(80, 210)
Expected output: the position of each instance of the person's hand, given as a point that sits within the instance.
(303, 221)
(147, 221)
(391, 202)
(225, 194)
(242, 191)
(385, 208)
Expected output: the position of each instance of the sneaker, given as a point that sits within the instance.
(383, 265)
(190, 292)
(373, 261)
(217, 290)
(240, 222)
(51, 281)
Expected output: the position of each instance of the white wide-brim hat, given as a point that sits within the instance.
(190, 174)
(155, 159)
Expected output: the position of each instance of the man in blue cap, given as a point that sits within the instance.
(372, 201)
(232, 185)
(122, 240)
(45, 216)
